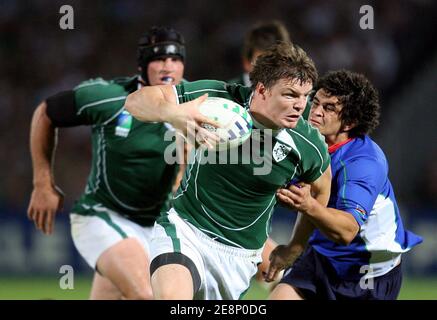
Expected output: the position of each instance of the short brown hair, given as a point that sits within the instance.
(262, 36)
(283, 61)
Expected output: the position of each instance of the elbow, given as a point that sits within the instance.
(40, 116)
(348, 233)
(345, 238)
(134, 104)
(129, 104)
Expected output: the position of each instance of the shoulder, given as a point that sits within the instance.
(312, 150)
(307, 136)
(101, 86)
(99, 90)
(214, 88)
(236, 80)
(130, 84)
(363, 156)
(366, 149)
(91, 83)
(204, 85)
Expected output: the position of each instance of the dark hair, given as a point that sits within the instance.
(160, 42)
(358, 97)
(283, 61)
(262, 36)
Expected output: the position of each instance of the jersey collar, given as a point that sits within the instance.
(337, 146)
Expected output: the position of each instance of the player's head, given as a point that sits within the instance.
(345, 103)
(282, 78)
(161, 56)
(260, 38)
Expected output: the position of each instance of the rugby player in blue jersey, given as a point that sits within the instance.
(355, 250)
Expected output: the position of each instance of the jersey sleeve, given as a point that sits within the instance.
(61, 109)
(187, 91)
(359, 183)
(98, 101)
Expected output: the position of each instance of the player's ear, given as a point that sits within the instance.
(140, 69)
(261, 89)
(346, 127)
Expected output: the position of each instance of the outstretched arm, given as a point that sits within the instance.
(159, 103)
(46, 198)
(152, 103)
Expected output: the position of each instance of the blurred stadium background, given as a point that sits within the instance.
(38, 59)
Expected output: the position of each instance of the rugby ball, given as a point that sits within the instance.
(235, 122)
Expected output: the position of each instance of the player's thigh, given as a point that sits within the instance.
(175, 258)
(126, 265)
(172, 282)
(284, 291)
(229, 270)
(117, 248)
(103, 289)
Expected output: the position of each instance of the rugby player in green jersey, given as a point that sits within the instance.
(208, 245)
(129, 182)
(258, 39)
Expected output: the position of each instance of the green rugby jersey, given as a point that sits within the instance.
(306, 112)
(128, 171)
(242, 79)
(229, 202)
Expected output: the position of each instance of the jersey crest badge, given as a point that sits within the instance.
(280, 151)
(124, 124)
(283, 145)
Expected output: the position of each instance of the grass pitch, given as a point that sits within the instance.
(40, 288)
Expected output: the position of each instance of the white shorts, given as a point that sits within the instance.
(225, 272)
(93, 234)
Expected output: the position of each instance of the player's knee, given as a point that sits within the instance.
(177, 292)
(169, 295)
(139, 294)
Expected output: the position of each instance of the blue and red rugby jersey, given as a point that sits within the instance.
(360, 186)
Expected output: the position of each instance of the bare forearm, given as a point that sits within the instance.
(42, 146)
(337, 225)
(284, 256)
(303, 228)
(151, 103)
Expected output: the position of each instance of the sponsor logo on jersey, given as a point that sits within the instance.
(124, 124)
